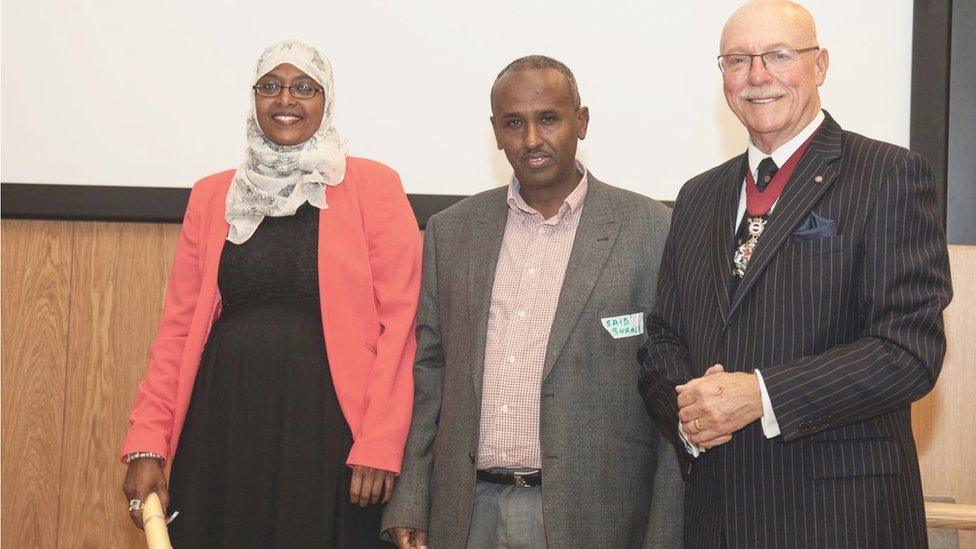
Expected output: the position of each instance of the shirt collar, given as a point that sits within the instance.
(572, 203)
(786, 150)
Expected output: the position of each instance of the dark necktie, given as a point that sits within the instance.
(767, 169)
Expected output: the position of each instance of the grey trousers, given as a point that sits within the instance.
(506, 517)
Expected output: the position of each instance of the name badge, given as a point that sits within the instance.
(624, 325)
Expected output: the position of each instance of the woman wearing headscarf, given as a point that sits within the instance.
(280, 380)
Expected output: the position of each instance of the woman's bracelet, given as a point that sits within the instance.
(129, 458)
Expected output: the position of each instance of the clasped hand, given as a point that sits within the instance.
(713, 407)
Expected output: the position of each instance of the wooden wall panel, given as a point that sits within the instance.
(36, 265)
(120, 272)
(80, 304)
(945, 420)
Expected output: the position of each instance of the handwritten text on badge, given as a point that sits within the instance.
(624, 325)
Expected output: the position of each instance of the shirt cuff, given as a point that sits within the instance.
(770, 426)
(690, 447)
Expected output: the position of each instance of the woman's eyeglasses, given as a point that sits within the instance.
(298, 91)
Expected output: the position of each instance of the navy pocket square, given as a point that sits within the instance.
(815, 227)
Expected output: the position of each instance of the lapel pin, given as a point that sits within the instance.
(818, 179)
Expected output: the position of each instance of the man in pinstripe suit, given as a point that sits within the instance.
(799, 314)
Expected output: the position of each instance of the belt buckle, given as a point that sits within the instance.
(519, 480)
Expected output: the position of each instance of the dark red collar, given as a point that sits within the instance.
(759, 203)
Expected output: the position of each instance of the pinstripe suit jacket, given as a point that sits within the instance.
(847, 331)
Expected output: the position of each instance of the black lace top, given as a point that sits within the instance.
(278, 263)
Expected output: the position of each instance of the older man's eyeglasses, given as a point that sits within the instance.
(774, 61)
(298, 91)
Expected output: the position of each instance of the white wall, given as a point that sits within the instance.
(114, 92)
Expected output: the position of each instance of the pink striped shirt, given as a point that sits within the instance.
(528, 278)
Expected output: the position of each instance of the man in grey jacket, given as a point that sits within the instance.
(528, 429)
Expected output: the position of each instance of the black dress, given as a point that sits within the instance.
(261, 459)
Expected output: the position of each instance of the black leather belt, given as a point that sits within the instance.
(524, 480)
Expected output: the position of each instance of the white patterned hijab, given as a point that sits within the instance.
(275, 180)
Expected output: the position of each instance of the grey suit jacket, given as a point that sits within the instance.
(609, 480)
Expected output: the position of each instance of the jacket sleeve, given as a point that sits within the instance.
(904, 285)
(664, 357)
(410, 506)
(665, 521)
(151, 420)
(394, 244)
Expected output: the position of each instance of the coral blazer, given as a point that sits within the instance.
(369, 253)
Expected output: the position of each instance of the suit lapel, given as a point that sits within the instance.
(595, 236)
(486, 243)
(813, 176)
(725, 207)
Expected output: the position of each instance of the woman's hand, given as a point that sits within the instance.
(144, 477)
(369, 484)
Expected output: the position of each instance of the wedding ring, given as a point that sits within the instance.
(697, 426)
(135, 504)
